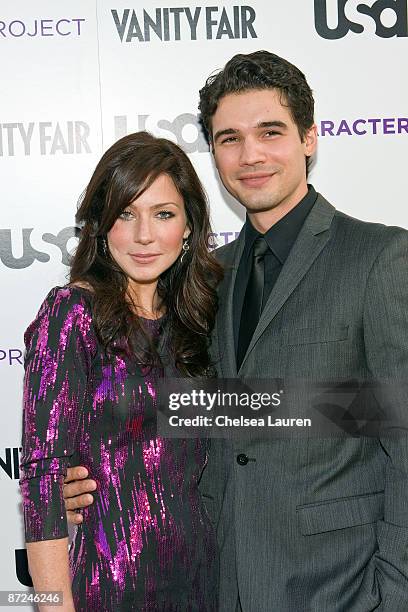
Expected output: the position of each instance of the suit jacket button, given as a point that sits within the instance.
(242, 459)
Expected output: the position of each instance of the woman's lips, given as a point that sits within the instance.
(144, 258)
(255, 181)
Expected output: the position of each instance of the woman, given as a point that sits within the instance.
(140, 303)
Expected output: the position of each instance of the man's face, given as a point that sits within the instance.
(258, 151)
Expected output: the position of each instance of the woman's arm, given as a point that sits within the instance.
(60, 347)
(49, 569)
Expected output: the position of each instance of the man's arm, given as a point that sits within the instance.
(386, 344)
(77, 489)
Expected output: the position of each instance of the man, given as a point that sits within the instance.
(311, 525)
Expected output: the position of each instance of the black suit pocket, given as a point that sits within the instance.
(340, 513)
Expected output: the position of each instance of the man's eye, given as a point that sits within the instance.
(229, 139)
(165, 214)
(272, 133)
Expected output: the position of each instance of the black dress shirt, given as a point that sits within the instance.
(280, 238)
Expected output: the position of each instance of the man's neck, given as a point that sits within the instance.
(263, 220)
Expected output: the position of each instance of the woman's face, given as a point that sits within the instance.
(147, 238)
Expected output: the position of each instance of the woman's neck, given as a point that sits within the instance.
(145, 301)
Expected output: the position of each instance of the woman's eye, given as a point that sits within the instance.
(126, 215)
(165, 214)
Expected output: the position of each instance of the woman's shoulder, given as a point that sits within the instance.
(68, 296)
(63, 309)
(81, 286)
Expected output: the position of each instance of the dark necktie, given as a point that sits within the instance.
(252, 307)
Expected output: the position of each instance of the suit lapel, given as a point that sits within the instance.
(224, 322)
(311, 240)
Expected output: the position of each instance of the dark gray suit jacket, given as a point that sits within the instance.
(317, 525)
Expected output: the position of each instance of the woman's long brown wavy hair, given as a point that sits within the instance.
(187, 290)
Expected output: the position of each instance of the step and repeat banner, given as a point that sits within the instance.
(78, 75)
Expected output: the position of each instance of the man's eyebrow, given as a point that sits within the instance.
(276, 123)
(220, 133)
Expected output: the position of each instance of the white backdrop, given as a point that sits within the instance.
(77, 75)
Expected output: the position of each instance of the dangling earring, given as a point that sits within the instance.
(104, 246)
(186, 247)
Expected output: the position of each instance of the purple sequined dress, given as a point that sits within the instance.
(146, 543)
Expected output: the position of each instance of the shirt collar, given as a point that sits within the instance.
(282, 235)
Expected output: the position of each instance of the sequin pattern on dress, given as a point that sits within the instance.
(146, 542)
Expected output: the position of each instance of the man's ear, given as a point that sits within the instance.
(310, 140)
